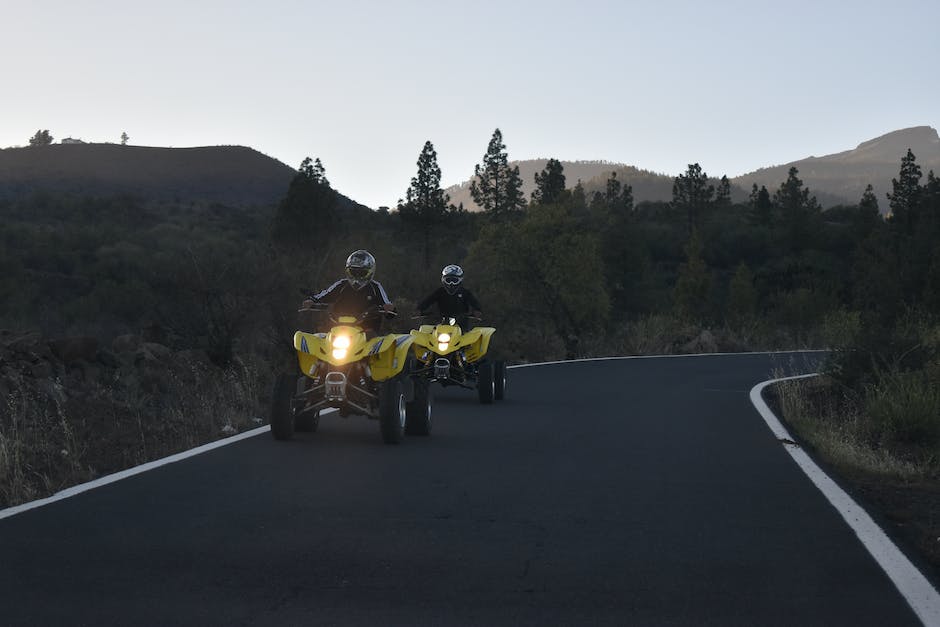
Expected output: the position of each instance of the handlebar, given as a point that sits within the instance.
(446, 319)
(371, 311)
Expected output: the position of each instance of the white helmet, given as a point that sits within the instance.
(451, 277)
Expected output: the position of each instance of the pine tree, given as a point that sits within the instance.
(760, 207)
(612, 190)
(906, 195)
(41, 138)
(425, 202)
(496, 187)
(723, 193)
(549, 184)
(308, 209)
(868, 214)
(692, 195)
(694, 282)
(797, 210)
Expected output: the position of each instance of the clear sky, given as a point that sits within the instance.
(733, 85)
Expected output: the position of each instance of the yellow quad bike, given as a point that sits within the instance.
(355, 374)
(445, 354)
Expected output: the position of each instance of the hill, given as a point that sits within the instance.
(834, 179)
(228, 175)
(593, 175)
(842, 177)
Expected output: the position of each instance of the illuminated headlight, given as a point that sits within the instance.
(442, 346)
(341, 342)
(444, 338)
(339, 353)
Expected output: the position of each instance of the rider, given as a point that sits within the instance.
(453, 300)
(358, 293)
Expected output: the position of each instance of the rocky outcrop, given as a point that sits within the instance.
(77, 364)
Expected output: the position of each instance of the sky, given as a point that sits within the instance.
(731, 84)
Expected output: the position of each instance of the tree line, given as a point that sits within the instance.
(567, 272)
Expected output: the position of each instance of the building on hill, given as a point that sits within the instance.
(70, 140)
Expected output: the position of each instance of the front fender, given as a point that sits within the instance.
(390, 356)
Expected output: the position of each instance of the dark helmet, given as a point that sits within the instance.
(360, 268)
(451, 277)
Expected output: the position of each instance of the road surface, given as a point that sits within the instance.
(627, 492)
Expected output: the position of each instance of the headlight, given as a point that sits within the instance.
(442, 346)
(339, 353)
(444, 337)
(341, 342)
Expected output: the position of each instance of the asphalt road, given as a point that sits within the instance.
(633, 492)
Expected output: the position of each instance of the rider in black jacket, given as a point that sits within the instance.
(357, 293)
(453, 300)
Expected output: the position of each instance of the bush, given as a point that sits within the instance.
(903, 408)
(841, 328)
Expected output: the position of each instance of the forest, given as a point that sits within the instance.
(571, 272)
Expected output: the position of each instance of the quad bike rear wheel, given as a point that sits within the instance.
(486, 383)
(419, 410)
(282, 414)
(500, 380)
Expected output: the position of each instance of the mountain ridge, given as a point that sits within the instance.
(236, 176)
(838, 178)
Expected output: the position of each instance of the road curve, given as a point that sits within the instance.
(640, 491)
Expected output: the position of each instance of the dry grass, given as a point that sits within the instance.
(50, 440)
(836, 426)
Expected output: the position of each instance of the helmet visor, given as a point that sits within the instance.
(450, 279)
(359, 272)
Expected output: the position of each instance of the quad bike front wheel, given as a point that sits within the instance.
(308, 421)
(486, 383)
(418, 411)
(392, 414)
(499, 382)
(282, 415)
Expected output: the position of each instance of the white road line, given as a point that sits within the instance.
(910, 582)
(136, 470)
(130, 472)
(574, 361)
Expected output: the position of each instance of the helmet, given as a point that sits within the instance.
(360, 268)
(451, 277)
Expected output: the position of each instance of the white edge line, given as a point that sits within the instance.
(910, 582)
(675, 356)
(136, 470)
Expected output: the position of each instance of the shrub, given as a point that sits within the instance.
(903, 408)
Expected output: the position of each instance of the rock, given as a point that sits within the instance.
(228, 430)
(106, 358)
(158, 351)
(126, 343)
(154, 377)
(41, 370)
(71, 349)
(703, 343)
(86, 371)
(25, 343)
(193, 356)
(154, 332)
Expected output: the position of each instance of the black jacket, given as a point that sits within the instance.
(348, 301)
(456, 305)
